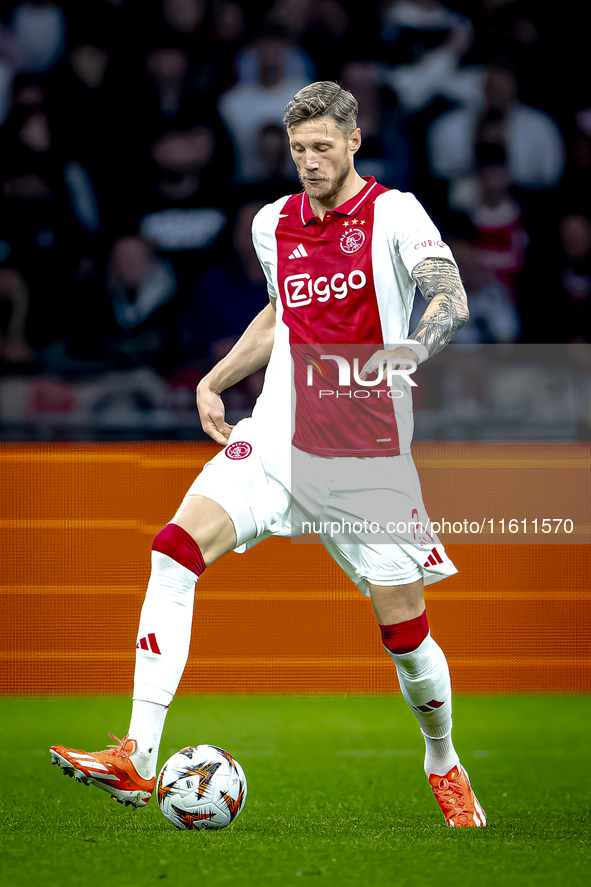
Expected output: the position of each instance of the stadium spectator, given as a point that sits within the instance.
(184, 16)
(14, 306)
(181, 157)
(574, 277)
(531, 139)
(576, 185)
(247, 107)
(110, 22)
(311, 27)
(494, 214)
(424, 44)
(296, 62)
(215, 68)
(8, 66)
(494, 317)
(525, 32)
(139, 285)
(52, 207)
(168, 69)
(138, 282)
(39, 29)
(239, 286)
(158, 96)
(89, 63)
(225, 296)
(180, 207)
(410, 28)
(292, 17)
(386, 151)
(80, 106)
(274, 164)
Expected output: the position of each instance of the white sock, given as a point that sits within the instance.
(162, 649)
(147, 724)
(425, 683)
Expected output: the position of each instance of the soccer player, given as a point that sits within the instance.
(342, 260)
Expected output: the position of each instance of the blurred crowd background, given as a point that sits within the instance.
(138, 138)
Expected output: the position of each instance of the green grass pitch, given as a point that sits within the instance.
(336, 795)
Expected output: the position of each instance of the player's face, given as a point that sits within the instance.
(323, 156)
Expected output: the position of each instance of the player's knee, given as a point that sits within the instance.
(179, 545)
(404, 637)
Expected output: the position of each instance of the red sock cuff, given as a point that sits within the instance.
(179, 545)
(404, 637)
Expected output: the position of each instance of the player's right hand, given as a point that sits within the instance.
(213, 415)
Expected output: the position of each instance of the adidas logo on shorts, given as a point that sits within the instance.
(433, 559)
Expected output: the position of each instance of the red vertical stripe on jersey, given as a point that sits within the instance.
(329, 299)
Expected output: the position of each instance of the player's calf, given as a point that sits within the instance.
(128, 770)
(424, 679)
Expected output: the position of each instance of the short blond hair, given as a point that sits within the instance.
(323, 99)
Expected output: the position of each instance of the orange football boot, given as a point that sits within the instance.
(112, 770)
(458, 802)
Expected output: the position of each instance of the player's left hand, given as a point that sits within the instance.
(401, 355)
(212, 414)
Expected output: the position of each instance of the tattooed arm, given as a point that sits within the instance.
(447, 311)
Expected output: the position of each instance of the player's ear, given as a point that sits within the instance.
(355, 140)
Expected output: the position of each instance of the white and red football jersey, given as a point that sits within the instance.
(344, 290)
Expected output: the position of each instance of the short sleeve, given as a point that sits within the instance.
(263, 239)
(417, 237)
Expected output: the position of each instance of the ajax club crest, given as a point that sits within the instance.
(352, 240)
(240, 449)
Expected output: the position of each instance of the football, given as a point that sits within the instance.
(201, 787)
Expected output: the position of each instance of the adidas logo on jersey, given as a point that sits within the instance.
(299, 252)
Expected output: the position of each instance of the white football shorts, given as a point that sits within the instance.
(368, 512)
